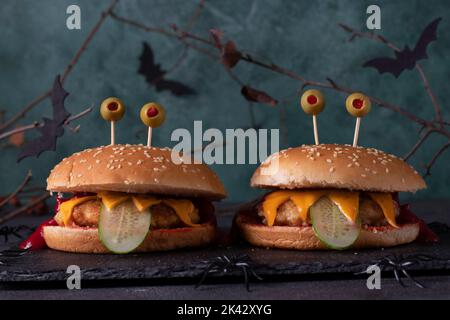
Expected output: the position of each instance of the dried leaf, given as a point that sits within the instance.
(52, 128)
(155, 75)
(17, 139)
(230, 55)
(254, 95)
(216, 36)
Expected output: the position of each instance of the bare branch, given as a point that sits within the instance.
(18, 190)
(369, 35)
(40, 124)
(418, 144)
(19, 211)
(434, 159)
(195, 16)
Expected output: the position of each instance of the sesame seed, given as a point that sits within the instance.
(349, 165)
(139, 162)
(331, 169)
(374, 172)
(329, 161)
(97, 161)
(357, 164)
(97, 153)
(363, 175)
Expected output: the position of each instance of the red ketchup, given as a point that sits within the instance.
(36, 240)
(425, 233)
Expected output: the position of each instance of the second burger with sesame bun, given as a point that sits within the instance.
(131, 198)
(331, 196)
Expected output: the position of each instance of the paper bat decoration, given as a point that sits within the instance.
(154, 74)
(255, 95)
(406, 58)
(52, 128)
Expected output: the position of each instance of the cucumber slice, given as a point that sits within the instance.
(123, 228)
(331, 226)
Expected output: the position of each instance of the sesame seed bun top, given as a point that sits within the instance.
(337, 166)
(133, 169)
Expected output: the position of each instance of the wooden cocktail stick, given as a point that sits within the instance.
(356, 135)
(113, 135)
(316, 131)
(149, 137)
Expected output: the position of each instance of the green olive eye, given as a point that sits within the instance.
(153, 114)
(358, 105)
(312, 102)
(112, 109)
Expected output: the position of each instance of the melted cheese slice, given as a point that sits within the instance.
(384, 200)
(303, 200)
(112, 199)
(183, 208)
(144, 202)
(347, 201)
(66, 208)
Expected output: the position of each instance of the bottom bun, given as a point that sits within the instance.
(81, 240)
(303, 238)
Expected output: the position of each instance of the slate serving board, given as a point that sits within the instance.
(48, 265)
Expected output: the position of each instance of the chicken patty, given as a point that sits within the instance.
(370, 213)
(163, 216)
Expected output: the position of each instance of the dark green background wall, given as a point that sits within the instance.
(299, 35)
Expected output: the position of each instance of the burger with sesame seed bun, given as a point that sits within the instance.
(131, 198)
(332, 197)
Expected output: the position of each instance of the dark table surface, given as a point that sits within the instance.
(298, 282)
